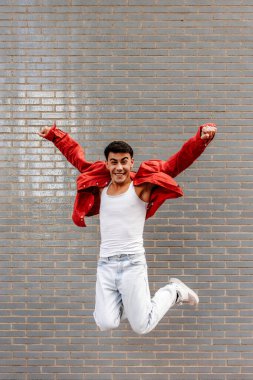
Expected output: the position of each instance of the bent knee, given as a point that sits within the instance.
(106, 323)
(141, 329)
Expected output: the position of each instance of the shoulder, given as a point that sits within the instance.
(144, 191)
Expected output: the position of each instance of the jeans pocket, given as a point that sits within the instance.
(137, 260)
(102, 261)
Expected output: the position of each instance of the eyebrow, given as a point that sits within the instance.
(115, 159)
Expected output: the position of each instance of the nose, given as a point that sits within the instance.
(119, 167)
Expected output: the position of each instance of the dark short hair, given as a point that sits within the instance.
(118, 147)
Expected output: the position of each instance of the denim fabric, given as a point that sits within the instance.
(122, 284)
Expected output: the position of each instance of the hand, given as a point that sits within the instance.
(44, 131)
(208, 132)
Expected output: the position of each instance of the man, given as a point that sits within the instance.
(124, 199)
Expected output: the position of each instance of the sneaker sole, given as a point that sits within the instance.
(193, 297)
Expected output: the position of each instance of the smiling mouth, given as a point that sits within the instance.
(120, 176)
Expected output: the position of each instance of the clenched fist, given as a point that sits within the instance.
(44, 131)
(208, 132)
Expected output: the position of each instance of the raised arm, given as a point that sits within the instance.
(67, 146)
(190, 151)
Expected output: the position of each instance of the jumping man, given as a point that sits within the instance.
(124, 199)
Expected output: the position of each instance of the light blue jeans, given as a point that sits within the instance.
(122, 285)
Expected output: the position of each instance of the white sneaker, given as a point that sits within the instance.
(184, 293)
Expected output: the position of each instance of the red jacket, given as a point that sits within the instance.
(94, 175)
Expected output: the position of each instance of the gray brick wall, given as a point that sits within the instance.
(148, 72)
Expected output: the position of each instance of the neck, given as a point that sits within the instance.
(118, 188)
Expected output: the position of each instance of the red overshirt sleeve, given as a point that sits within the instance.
(68, 147)
(189, 152)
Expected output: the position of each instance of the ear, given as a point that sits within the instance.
(106, 164)
(132, 163)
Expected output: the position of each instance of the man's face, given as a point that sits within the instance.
(119, 166)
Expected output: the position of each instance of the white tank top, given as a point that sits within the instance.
(122, 219)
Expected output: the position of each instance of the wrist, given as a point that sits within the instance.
(50, 134)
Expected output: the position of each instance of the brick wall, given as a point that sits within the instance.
(148, 72)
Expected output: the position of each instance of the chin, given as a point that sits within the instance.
(119, 180)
